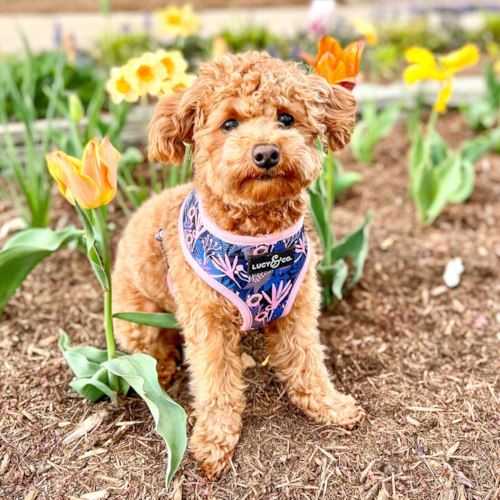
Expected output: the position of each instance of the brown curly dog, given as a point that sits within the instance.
(238, 103)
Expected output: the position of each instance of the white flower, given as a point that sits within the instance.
(320, 16)
(452, 273)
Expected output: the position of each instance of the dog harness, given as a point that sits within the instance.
(260, 275)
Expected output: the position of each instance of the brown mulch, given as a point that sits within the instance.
(423, 360)
(52, 6)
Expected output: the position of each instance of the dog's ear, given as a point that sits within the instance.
(338, 112)
(171, 128)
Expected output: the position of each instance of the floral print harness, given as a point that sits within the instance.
(260, 275)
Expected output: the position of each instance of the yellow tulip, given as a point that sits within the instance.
(425, 66)
(92, 181)
(366, 30)
(178, 21)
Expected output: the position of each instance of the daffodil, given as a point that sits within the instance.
(366, 30)
(176, 66)
(179, 81)
(424, 66)
(91, 181)
(119, 88)
(178, 21)
(145, 74)
(496, 68)
(336, 65)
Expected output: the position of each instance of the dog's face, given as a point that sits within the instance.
(253, 123)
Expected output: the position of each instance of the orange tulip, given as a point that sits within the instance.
(337, 65)
(92, 181)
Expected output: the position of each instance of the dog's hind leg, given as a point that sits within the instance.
(296, 353)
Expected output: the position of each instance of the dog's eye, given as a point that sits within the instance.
(286, 119)
(229, 125)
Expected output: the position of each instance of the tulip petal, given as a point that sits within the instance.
(72, 183)
(423, 57)
(416, 72)
(330, 69)
(443, 97)
(327, 44)
(459, 59)
(109, 158)
(57, 163)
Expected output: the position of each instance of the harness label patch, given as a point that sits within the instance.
(271, 261)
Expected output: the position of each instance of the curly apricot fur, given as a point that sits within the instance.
(253, 89)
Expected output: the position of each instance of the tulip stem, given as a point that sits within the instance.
(110, 335)
(102, 227)
(108, 307)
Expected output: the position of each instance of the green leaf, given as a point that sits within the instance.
(94, 258)
(445, 180)
(386, 120)
(466, 187)
(139, 370)
(354, 246)
(473, 149)
(439, 149)
(95, 387)
(130, 158)
(320, 218)
(344, 181)
(24, 251)
(334, 277)
(159, 320)
(86, 363)
(341, 271)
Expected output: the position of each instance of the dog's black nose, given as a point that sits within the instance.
(266, 155)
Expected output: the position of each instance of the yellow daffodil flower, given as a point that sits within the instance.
(119, 88)
(173, 60)
(92, 181)
(178, 21)
(424, 66)
(179, 81)
(176, 66)
(145, 74)
(366, 30)
(496, 68)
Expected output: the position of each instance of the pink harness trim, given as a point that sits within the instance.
(248, 241)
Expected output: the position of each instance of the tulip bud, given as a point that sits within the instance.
(91, 181)
(75, 106)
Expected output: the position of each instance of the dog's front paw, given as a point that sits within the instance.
(213, 450)
(329, 407)
(340, 410)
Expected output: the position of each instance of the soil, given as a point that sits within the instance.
(52, 6)
(422, 360)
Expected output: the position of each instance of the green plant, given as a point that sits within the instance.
(439, 175)
(24, 251)
(373, 127)
(484, 113)
(116, 49)
(25, 172)
(334, 269)
(110, 373)
(43, 68)
(137, 185)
